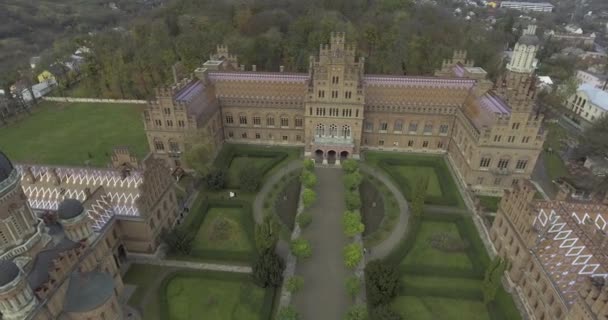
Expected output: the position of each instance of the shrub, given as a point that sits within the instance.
(351, 222)
(308, 197)
(353, 286)
(266, 234)
(309, 164)
(381, 282)
(353, 253)
(268, 269)
(353, 200)
(352, 180)
(304, 219)
(288, 313)
(250, 178)
(308, 179)
(300, 248)
(357, 312)
(216, 180)
(294, 284)
(350, 165)
(384, 312)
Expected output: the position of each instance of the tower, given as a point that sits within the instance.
(16, 297)
(524, 53)
(75, 222)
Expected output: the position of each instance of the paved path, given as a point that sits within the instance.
(324, 295)
(190, 264)
(398, 233)
(258, 203)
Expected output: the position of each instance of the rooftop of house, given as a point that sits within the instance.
(597, 96)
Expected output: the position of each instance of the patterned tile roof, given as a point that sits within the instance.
(407, 81)
(259, 76)
(569, 243)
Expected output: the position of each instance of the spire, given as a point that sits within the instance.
(524, 53)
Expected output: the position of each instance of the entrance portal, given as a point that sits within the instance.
(319, 157)
(331, 157)
(343, 155)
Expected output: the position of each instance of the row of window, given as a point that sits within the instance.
(258, 136)
(169, 123)
(503, 163)
(398, 127)
(321, 131)
(257, 120)
(159, 145)
(410, 143)
(335, 94)
(511, 139)
(333, 112)
(497, 181)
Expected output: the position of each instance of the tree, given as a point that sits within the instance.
(352, 180)
(492, 279)
(308, 179)
(350, 165)
(268, 269)
(309, 164)
(357, 312)
(353, 253)
(593, 141)
(304, 219)
(300, 248)
(384, 312)
(250, 178)
(266, 234)
(294, 284)
(178, 241)
(381, 282)
(351, 222)
(353, 286)
(308, 197)
(200, 153)
(216, 179)
(419, 195)
(353, 200)
(288, 313)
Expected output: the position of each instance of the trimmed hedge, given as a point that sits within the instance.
(246, 220)
(269, 296)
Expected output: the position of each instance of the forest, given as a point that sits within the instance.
(395, 37)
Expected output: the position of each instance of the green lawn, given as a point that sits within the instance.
(66, 133)
(145, 277)
(554, 165)
(436, 308)
(440, 283)
(423, 254)
(239, 163)
(200, 297)
(490, 203)
(553, 162)
(413, 174)
(222, 230)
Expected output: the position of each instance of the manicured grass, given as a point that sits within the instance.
(554, 165)
(200, 297)
(413, 174)
(239, 163)
(490, 203)
(147, 279)
(66, 133)
(435, 308)
(233, 238)
(440, 283)
(423, 254)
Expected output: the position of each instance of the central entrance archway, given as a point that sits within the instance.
(319, 156)
(331, 157)
(343, 155)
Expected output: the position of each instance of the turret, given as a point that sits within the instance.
(524, 53)
(16, 297)
(74, 220)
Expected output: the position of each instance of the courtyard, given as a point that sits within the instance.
(74, 134)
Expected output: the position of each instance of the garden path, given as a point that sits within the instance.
(258, 203)
(324, 295)
(385, 247)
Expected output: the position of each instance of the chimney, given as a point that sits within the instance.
(254, 68)
(281, 68)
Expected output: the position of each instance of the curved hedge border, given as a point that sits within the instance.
(269, 296)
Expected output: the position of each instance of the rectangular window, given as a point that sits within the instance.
(181, 123)
(284, 122)
(521, 164)
(443, 129)
(167, 111)
(525, 139)
(173, 146)
(242, 119)
(479, 180)
(357, 113)
(440, 145)
(257, 121)
(425, 144)
(413, 127)
(383, 126)
(299, 122)
(230, 134)
(497, 181)
(285, 138)
(380, 142)
(428, 128)
(257, 135)
(244, 135)
(511, 139)
(270, 121)
(321, 94)
(158, 123)
(229, 119)
(298, 138)
(515, 126)
(398, 126)
(485, 162)
(369, 126)
(169, 123)
(497, 138)
(410, 143)
(503, 163)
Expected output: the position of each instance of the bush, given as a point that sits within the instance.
(250, 178)
(350, 165)
(267, 233)
(353, 253)
(300, 248)
(357, 312)
(294, 284)
(288, 313)
(352, 180)
(353, 200)
(353, 286)
(309, 164)
(308, 179)
(268, 269)
(351, 222)
(304, 219)
(308, 197)
(216, 180)
(381, 282)
(384, 312)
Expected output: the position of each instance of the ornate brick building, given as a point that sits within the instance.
(65, 233)
(557, 253)
(492, 136)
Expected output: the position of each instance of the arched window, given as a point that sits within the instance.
(173, 145)
(158, 144)
(270, 120)
(320, 132)
(345, 131)
(299, 122)
(333, 130)
(398, 125)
